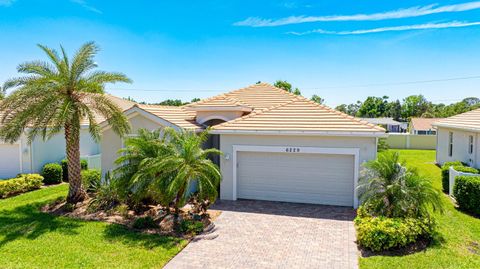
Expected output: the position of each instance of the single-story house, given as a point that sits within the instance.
(22, 157)
(458, 138)
(391, 125)
(423, 126)
(276, 145)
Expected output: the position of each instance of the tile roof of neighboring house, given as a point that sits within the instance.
(423, 123)
(178, 116)
(468, 121)
(220, 102)
(123, 104)
(299, 114)
(258, 96)
(381, 121)
(120, 102)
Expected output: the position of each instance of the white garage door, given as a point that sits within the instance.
(304, 178)
(9, 160)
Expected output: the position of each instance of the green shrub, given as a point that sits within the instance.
(106, 195)
(24, 183)
(445, 174)
(380, 233)
(144, 223)
(191, 227)
(91, 179)
(467, 193)
(64, 163)
(52, 173)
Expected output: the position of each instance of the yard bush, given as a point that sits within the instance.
(467, 193)
(381, 233)
(91, 179)
(52, 173)
(64, 163)
(191, 227)
(144, 223)
(21, 184)
(445, 174)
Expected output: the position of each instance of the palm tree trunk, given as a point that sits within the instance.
(75, 192)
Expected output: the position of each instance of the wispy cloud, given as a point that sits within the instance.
(394, 14)
(86, 6)
(6, 3)
(453, 24)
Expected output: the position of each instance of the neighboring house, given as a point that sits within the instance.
(22, 157)
(458, 138)
(391, 125)
(423, 126)
(276, 145)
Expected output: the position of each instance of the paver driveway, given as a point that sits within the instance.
(260, 234)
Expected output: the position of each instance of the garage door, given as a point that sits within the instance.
(9, 160)
(304, 178)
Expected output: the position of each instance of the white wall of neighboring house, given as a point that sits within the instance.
(460, 146)
(36, 154)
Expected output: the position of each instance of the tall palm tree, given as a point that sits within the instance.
(388, 188)
(56, 95)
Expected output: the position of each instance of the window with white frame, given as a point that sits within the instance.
(450, 144)
(470, 144)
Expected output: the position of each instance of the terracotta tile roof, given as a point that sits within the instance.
(423, 123)
(468, 120)
(299, 114)
(258, 97)
(219, 102)
(178, 116)
(120, 102)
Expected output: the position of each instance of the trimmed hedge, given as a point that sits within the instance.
(52, 173)
(64, 163)
(21, 184)
(91, 179)
(380, 233)
(445, 173)
(467, 193)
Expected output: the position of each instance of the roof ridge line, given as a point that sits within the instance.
(254, 113)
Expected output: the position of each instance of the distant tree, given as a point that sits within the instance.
(258, 82)
(373, 107)
(297, 91)
(352, 109)
(394, 110)
(342, 108)
(283, 84)
(317, 99)
(171, 102)
(130, 99)
(2, 93)
(471, 101)
(414, 106)
(195, 100)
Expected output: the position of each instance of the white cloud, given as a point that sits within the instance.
(453, 24)
(394, 14)
(6, 3)
(86, 6)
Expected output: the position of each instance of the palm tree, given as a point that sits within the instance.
(56, 95)
(168, 164)
(388, 188)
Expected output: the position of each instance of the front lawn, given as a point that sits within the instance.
(32, 239)
(457, 246)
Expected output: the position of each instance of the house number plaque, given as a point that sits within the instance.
(292, 149)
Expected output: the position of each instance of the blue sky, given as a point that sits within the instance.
(341, 50)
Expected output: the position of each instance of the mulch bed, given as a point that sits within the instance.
(163, 220)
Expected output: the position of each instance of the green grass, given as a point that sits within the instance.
(32, 239)
(457, 230)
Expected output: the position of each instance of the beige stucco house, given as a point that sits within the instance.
(458, 138)
(277, 146)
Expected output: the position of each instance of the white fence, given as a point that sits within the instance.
(411, 141)
(452, 173)
(94, 161)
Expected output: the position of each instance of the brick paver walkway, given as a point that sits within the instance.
(260, 234)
